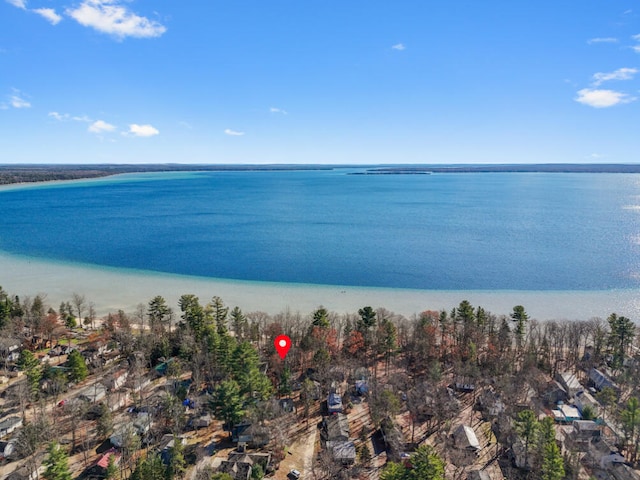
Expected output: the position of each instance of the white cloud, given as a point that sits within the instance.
(142, 130)
(18, 3)
(233, 133)
(16, 101)
(620, 74)
(602, 40)
(100, 126)
(107, 16)
(50, 14)
(602, 98)
(636, 48)
(398, 46)
(278, 110)
(59, 116)
(82, 118)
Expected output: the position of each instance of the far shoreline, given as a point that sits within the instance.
(111, 289)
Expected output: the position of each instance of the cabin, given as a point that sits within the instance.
(117, 380)
(93, 393)
(240, 465)
(103, 461)
(570, 383)
(334, 403)
(336, 428)
(10, 348)
(601, 380)
(7, 449)
(9, 425)
(465, 439)
(342, 451)
(583, 432)
(585, 399)
(566, 414)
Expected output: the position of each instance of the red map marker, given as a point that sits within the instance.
(282, 344)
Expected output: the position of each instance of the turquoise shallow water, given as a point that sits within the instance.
(481, 231)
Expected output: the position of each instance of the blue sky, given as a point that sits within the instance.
(284, 81)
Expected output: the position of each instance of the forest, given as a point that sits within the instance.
(196, 390)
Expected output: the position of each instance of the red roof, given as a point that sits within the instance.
(104, 461)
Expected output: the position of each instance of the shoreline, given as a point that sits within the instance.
(110, 289)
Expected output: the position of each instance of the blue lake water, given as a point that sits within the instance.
(479, 231)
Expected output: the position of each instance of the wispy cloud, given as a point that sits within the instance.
(620, 74)
(17, 100)
(100, 126)
(61, 117)
(108, 16)
(599, 98)
(142, 130)
(49, 14)
(233, 133)
(18, 3)
(398, 46)
(278, 110)
(602, 40)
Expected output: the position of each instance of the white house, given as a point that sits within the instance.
(9, 425)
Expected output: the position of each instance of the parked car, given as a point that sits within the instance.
(294, 474)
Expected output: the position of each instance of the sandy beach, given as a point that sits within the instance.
(110, 289)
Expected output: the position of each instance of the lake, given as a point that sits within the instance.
(447, 234)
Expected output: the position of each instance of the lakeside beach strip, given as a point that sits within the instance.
(110, 289)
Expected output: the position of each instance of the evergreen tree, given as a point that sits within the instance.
(177, 462)
(526, 426)
(321, 318)
(240, 323)
(151, 468)
(630, 418)
(622, 332)
(112, 469)
(30, 365)
(227, 403)
(78, 370)
(56, 464)
(520, 317)
(159, 314)
(552, 467)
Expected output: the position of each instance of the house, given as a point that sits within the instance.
(103, 462)
(240, 465)
(570, 383)
(10, 348)
(166, 444)
(334, 403)
(117, 380)
(582, 433)
(555, 393)
(566, 414)
(361, 387)
(343, 452)
(336, 428)
(9, 425)
(465, 438)
(585, 399)
(237, 470)
(93, 393)
(247, 434)
(7, 449)
(142, 423)
(121, 435)
(202, 421)
(491, 404)
(622, 471)
(478, 475)
(601, 380)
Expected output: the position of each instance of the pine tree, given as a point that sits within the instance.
(552, 467)
(56, 464)
(78, 370)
